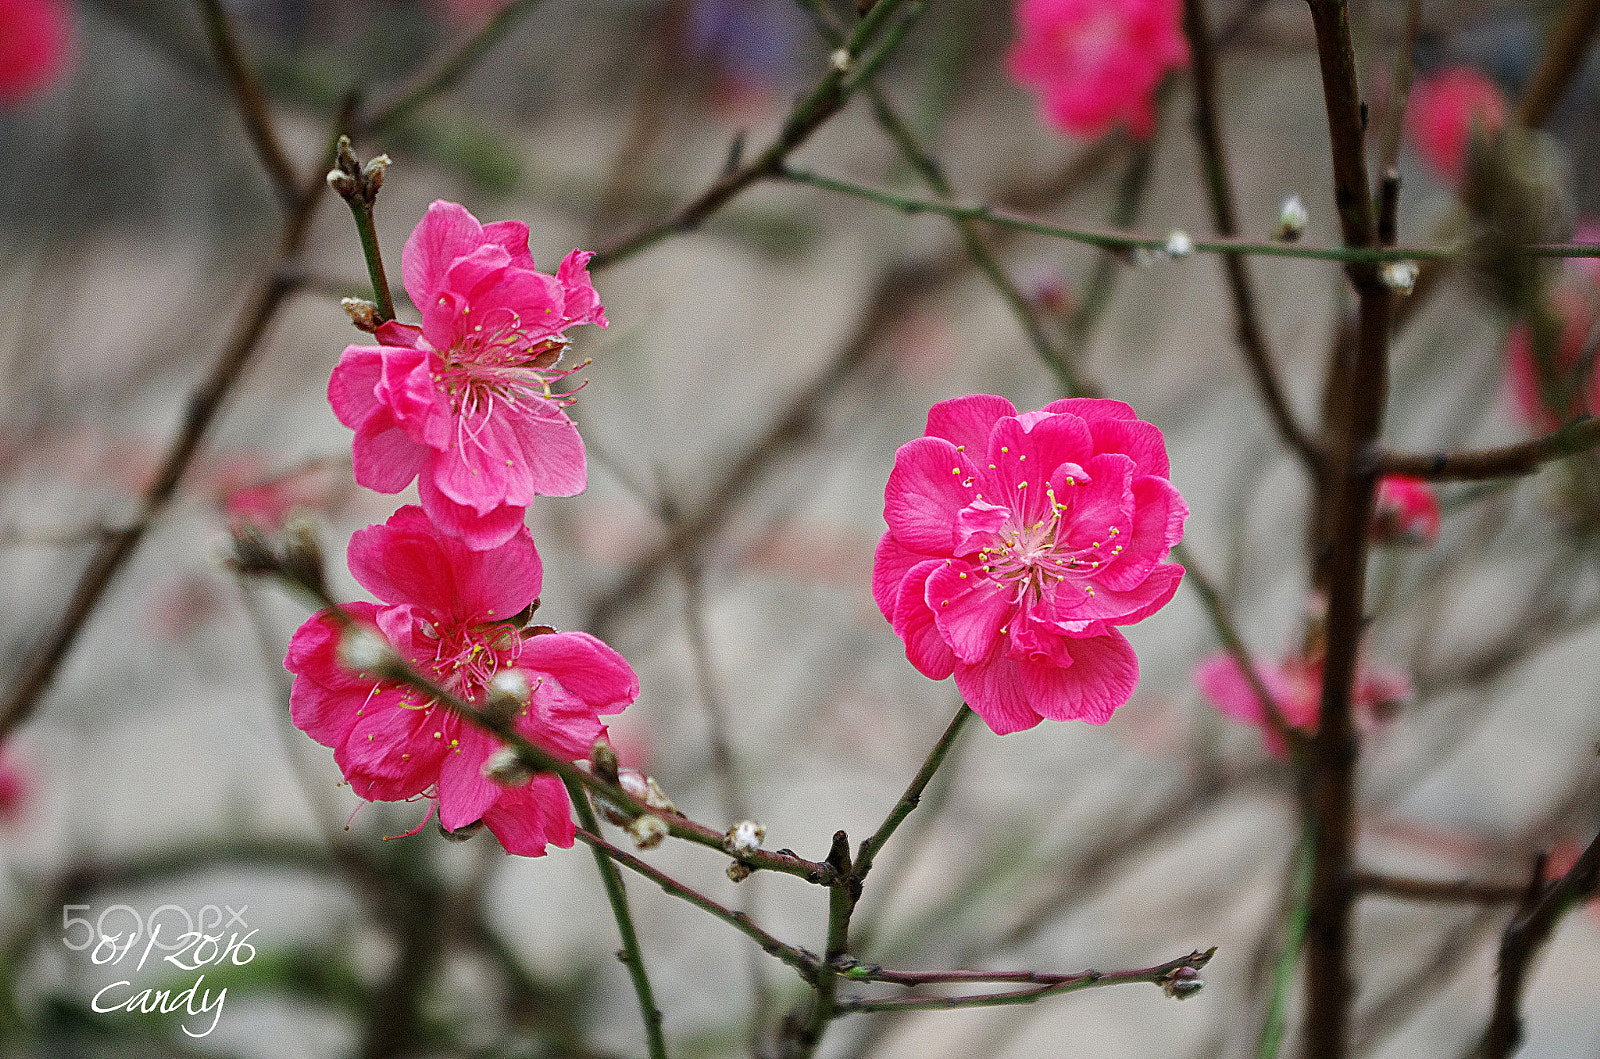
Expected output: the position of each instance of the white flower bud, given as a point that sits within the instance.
(506, 767)
(365, 651)
(738, 871)
(1179, 244)
(840, 60)
(362, 313)
(744, 837)
(342, 182)
(656, 798)
(648, 831)
(1292, 218)
(1399, 276)
(508, 692)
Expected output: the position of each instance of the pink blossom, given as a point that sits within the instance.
(1295, 684)
(14, 790)
(1017, 543)
(1406, 512)
(1096, 62)
(463, 403)
(35, 46)
(446, 608)
(1442, 112)
(1578, 318)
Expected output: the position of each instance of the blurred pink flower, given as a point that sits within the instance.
(1094, 63)
(1017, 543)
(1406, 512)
(35, 46)
(445, 608)
(1442, 112)
(247, 495)
(1295, 684)
(1578, 319)
(14, 790)
(463, 403)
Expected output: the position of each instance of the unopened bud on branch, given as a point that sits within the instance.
(738, 871)
(362, 313)
(506, 767)
(508, 693)
(1292, 218)
(1399, 276)
(1182, 983)
(744, 837)
(366, 651)
(1179, 244)
(648, 831)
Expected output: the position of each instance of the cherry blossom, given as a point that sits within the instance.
(1444, 109)
(449, 611)
(1406, 511)
(463, 403)
(1295, 684)
(1017, 544)
(35, 46)
(1094, 63)
(1577, 316)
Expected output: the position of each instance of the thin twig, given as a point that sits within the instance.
(842, 896)
(1251, 334)
(1283, 968)
(802, 961)
(252, 102)
(1563, 57)
(1527, 933)
(630, 954)
(1505, 462)
(871, 847)
(1457, 891)
(820, 104)
(1160, 975)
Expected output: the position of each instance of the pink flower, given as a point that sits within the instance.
(35, 46)
(1578, 319)
(1407, 511)
(14, 789)
(1443, 110)
(1296, 686)
(463, 403)
(1096, 62)
(446, 609)
(1017, 543)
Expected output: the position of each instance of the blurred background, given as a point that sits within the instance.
(742, 413)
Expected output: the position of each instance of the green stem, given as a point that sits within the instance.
(913, 794)
(362, 211)
(1294, 933)
(630, 954)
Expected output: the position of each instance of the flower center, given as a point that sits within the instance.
(466, 657)
(1033, 558)
(496, 364)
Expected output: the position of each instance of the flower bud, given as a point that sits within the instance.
(656, 798)
(302, 554)
(362, 313)
(1179, 244)
(1292, 218)
(364, 650)
(342, 182)
(604, 758)
(508, 693)
(648, 831)
(1182, 983)
(840, 60)
(506, 767)
(744, 837)
(1399, 276)
(373, 171)
(738, 871)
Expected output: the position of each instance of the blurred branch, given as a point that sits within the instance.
(617, 897)
(252, 105)
(1509, 460)
(871, 847)
(1251, 334)
(825, 100)
(1294, 939)
(1529, 930)
(1164, 975)
(802, 961)
(1460, 891)
(445, 73)
(1563, 58)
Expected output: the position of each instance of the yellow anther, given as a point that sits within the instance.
(1004, 449)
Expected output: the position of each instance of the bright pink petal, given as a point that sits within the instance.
(547, 451)
(1158, 515)
(407, 561)
(1092, 409)
(383, 455)
(446, 232)
(582, 304)
(1136, 438)
(513, 236)
(966, 421)
(913, 622)
(560, 721)
(586, 666)
(1102, 676)
(525, 820)
(465, 793)
(968, 607)
(1022, 460)
(993, 688)
(392, 752)
(476, 531)
(890, 565)
(352, 389)
(924, 492)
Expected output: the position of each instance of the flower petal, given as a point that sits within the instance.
(913, 622)
(476, 531)
(586, 666)
(890, 565)
(525, 820)
(924, 493)
(966, 421)
(465, 793)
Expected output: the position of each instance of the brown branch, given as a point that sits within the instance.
(252, 105)
(1251, 335)
(1352, 421)
(1178, 977)
(1563, 57)
(1504, 462)
(1460, 891)
(1526, 934)
(825, 100)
